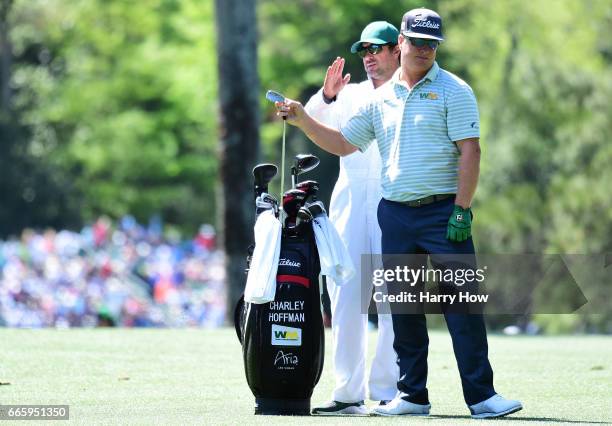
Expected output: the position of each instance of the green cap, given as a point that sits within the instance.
(378, 32)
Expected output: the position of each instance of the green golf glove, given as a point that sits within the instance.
(459, 225)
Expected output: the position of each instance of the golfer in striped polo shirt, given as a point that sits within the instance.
(425, 121)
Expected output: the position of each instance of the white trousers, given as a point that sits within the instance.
(353, 212)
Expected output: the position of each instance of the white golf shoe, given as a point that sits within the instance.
(496, 406)
(401, 407)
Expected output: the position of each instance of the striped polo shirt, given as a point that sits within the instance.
(415, 131)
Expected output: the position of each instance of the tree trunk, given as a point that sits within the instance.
(5, 59)
(239, 134)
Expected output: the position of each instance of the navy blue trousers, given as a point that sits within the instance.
(420, 230)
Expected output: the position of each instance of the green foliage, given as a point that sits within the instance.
(544, 84)
(548, 137)
(122, 99)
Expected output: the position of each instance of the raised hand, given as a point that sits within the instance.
(334, 81)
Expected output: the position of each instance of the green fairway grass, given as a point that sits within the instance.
(191, 376)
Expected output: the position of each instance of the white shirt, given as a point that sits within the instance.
(358, 165)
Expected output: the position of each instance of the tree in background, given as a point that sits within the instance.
(117, 101)
(34, 191)
(239, 144)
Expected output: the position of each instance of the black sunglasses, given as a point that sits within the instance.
(374, 49)
(420, 42)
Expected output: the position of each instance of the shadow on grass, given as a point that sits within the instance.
(523, 419)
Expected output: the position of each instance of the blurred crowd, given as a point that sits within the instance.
(122, 274)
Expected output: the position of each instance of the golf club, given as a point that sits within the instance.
(310, 187)
(265, 202)
(292, 202)
(273, 96)
(302, 163)
(311, 210)
(262, 175)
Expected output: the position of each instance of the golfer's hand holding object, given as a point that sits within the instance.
(460, 224)
(292, 111)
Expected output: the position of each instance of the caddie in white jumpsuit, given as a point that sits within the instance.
(353, 209)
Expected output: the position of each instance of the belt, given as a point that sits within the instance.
(427, 200)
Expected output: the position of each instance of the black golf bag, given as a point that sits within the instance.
(283, 341)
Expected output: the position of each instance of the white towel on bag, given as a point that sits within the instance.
(261, 280)
(335, 260)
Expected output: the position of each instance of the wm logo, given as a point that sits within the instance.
(286, 336)
(289, 335)
(429, 95)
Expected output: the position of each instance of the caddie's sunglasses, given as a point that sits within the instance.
(374, 49)
(420, 42)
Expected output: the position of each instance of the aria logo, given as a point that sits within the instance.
(285, 359)
(289, 262)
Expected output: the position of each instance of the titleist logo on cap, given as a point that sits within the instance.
(419, 22)
(422, 23)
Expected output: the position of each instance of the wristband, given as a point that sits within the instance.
(328, 100)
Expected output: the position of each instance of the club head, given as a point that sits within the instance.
(292, 201)
(266, 202)
(310, 187)
(262, 175)
(308, 212)
(303, 163)
(273, 96)
(315, 209)
(304, 214)
(268, 198)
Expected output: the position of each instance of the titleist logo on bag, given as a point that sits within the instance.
(289, 262)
